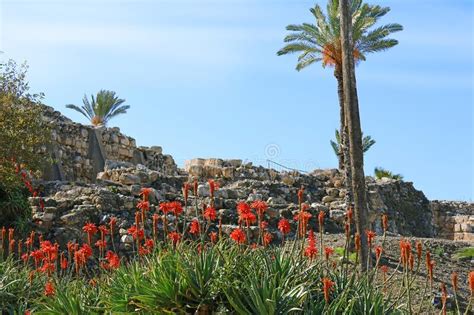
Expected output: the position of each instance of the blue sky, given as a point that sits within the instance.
(203, 80)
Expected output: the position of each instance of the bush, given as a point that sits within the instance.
(24, 133)
(22, 141)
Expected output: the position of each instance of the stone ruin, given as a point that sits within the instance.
(98, 173)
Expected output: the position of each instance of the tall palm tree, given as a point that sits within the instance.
(105, 106)
(321, 42)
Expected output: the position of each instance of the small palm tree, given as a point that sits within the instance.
(381, 172)
(103, 107)
(367, 143)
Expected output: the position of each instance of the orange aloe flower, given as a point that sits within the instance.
(471, 282)
(321, 216)
(49, 289)
(259, 206)
(267, 238)
(195, 227)
(284, 226)
(186, 192)
(212, 187)
(378, 252)
(454, 281)
(327, 286)
(328, 251)
(370, 237)
(357, 243)
(349, 215)
(385, 222)
(311, 249)
(238, 236)
(145, 192)
(300, 195)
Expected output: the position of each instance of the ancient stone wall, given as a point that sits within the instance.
(99, 171)
(453, 219)
(79, 152)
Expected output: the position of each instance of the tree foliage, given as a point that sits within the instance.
(23, 137)
(322, 41)
(101, 108)
(24, 132)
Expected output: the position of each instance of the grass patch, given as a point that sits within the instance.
(467, 252)
(340, 251)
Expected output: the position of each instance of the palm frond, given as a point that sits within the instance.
(380, 45)
(79, 109)
(367, 143)
(305, 62)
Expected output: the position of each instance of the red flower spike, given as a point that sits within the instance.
(411, 261)
(63, 262)
(49, 289)
(238, 236)
(101, 244)
(90, 229)
(149, 243)
(419, 250)
(311, 249)
(213, 237)
(195, 227)
(385, 222)
(327, 287)
(11, 232)
(176, 208)
(137, 233)
(357, 241)
(328, 251)
(267, 238)
(284, 226)
(370, 237)
(321, 216)
(349, 215)
(378, 252)
(430, 270)
(471, 282)
(454, 281)
(112, 259)
(243, 207)
(175, 237)
(259, 206)
(210, 214)
(186, 191)
(195, 187)
(103, 230)
(212, 187)
(145, 192)
(144, 205)
(300, 195)
(444, 298)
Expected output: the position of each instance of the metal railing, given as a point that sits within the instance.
(271, 165)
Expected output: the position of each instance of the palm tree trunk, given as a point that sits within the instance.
(343, 155)
(340, 93)
(351, 106)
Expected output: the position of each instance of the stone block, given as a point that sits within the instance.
(328, 199)
(129, 179)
